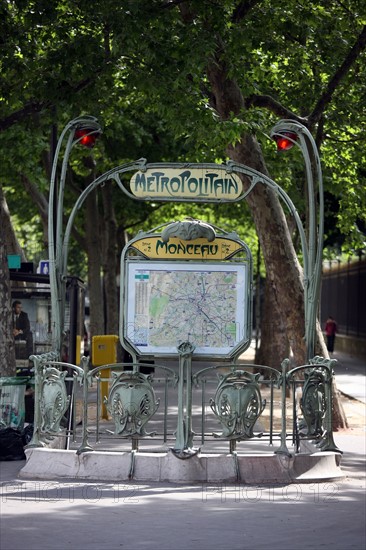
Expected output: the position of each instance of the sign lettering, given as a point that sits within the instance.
(189, 184)
(155, 247)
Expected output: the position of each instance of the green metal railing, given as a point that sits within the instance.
(183, 408)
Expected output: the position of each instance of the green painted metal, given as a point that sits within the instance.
(55, 224)
(316, 401)
(187, 229)
(184, 435)
(283, 449)
(311, 248)
(131, 400)
(54, 400)
(314, 244)
(238, 404)
(38, 362)
(131, 403)
(85, 447)
(51, 400)
(313, 403)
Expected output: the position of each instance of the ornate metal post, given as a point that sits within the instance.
(36, 440)
(85, 447)
(328, 443)
(283, 447)
(184, 435)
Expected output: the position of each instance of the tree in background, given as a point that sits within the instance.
(191, 80)
(7, 241)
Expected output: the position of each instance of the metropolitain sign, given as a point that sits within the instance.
(191, 184)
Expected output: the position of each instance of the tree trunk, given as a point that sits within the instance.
(8, 234)
(339, 418)
(7, 348)
(92, 235)
(110, 261)
(274, 346)
(282, 266)
(8, 244)
(284, 273)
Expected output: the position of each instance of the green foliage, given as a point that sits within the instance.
(141, 67)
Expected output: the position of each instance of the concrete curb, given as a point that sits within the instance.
(43, 463)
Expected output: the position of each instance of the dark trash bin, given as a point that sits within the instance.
(11, 445)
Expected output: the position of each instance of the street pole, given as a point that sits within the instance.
(82, 130)
(288, 133)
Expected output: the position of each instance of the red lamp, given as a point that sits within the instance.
(285, 140)
(85, 137)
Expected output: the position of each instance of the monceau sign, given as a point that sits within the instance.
(188, 183)
(154, 247)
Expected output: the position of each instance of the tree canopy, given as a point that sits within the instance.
(186, 80)
(142, 68)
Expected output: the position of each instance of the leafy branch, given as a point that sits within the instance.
(336, 79)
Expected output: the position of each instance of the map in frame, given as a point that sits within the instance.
(173, 302)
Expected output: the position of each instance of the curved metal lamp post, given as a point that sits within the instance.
(288, 133)
(83, 130)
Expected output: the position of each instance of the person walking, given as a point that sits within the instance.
(330, 333)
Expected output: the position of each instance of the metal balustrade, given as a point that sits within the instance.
(235, 408)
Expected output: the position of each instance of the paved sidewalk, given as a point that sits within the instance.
(350, 375)
(41, 515)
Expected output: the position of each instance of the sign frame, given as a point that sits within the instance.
(186, 183)
(133, 259)
(201, 309)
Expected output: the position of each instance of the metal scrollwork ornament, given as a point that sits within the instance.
(238, 404)
(54, 400)
(131, 403)
(313, 402)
